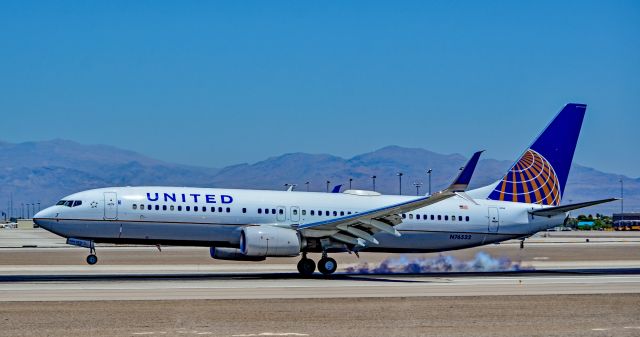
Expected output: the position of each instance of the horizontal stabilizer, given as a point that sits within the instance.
(551, 211)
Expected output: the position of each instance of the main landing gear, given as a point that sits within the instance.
(326, 265)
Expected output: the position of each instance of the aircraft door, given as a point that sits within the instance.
(295, 213)
(494, 220)
(282, 213)
(110, 205)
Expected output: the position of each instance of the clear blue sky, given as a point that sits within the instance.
(217, 83)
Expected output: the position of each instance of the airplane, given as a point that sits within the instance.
(252, 225)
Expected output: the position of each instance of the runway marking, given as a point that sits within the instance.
(272, 334)
(632, 327)
(599, 329)
(541, 258)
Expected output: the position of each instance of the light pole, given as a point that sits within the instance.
(429, 174)
(307, 183)
(38, 206)
(417, 184)
(350, 181)
(21, 210)
(374, 182)
(621, 201)
(400, 174)
(328, 182)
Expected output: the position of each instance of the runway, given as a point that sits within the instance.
(559, 285)
(273, 286)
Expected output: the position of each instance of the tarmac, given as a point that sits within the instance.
(559, 284)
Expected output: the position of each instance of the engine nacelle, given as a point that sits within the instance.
(232, 254)
(269, 241)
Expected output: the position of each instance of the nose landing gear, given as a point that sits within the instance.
(92, 258)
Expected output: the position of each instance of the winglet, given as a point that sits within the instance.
(337, 189)
(464, 177)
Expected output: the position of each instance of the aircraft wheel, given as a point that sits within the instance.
(92, 259)
(327, 265)
(306, 267)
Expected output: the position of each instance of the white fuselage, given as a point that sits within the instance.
(214, 217)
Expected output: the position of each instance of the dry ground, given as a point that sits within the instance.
(558, 315)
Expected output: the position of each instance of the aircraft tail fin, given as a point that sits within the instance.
(541, 173)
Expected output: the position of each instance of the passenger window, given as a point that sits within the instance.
(213, 209)
(204, 208)
(460, 218)
(466, 218)
(411, 216)
(313, 212)
(432, 217)
(135, 206)
(439, 217)
(404, 216)
(304, 212)
(295, 212)
(179, 208)
(148, 207)
(171, 208)
(341, 213)
(281, 211)
(164, 207)
(195, 208)
(446, 217)
(326, 213)
(157, 207)
(349, 213)
(187, 208)
(335, 213)
(273, 211)
(453, 218)
(417, 216)
(259, 210)
(228, 210)
(244, 210)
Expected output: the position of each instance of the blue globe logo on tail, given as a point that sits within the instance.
(531, 180)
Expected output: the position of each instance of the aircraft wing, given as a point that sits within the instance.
(551, 211)
(356, 229)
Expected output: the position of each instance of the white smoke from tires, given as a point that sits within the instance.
(482, 262)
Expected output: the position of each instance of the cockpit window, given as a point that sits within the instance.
(69, 203)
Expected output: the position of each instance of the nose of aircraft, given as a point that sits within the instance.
(41, 218)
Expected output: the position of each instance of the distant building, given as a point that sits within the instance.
(629, 220)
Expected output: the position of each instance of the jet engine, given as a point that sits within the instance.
(232, 254)
(269, 241)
